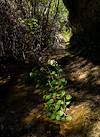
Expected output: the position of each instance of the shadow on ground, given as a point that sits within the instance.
(21, 114)
(83, 75)
(86, 46)
(18, 103)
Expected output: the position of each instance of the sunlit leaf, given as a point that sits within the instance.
(50, 101)
(57, 107)
(47, 97)
(62, 93)
(68, 97)
(67, 103)
(60, 102)
(58, 117)
(60, 113)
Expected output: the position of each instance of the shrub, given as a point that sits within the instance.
(53, 83)
(56, 99)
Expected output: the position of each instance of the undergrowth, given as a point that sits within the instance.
(50, 79)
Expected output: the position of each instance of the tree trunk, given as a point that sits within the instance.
(84, 14)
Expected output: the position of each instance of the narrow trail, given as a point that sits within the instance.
(84, 84)
(82, 75)
(21, 111)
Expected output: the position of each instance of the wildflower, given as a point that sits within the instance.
(31, 74)
(52, 62)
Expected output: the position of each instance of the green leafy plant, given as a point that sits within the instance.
(56, 99)
(32, 24)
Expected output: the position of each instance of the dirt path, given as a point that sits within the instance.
(84, 84)
(21, 112)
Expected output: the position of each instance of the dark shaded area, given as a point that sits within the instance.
(16, 102)
(84, 18)
(41, 128)
(83, 76)
(84, 47)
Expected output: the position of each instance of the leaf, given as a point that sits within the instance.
(49, 107)
(47, 97)
(57, 107)
(53, 73)
(68, 118)
(54, 82)
(44, 97)
(63, 81)
(62, 93)
(68, 97)
(50, 101)
(60, 102)
(58, 117)
(60, 113)
(54, 94)
(60, 70)
(67, 103)
(53, 116)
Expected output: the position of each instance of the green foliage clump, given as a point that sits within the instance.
(32, 24)
(53, 84)
(56, 99)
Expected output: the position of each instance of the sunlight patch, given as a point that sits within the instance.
(83, 75)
